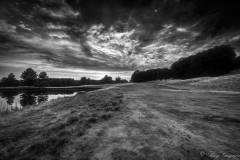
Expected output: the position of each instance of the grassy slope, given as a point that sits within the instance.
(58, 129)
(156, 120)
(159, 123)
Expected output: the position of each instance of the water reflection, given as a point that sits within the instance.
(9, 96)
(42, 98)
(15, 100)
(27, 99)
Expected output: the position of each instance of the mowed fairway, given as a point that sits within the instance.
(168, 120)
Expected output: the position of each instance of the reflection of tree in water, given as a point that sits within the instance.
(32, 97)
(10, 100)
(42, 98)
(56, 92)
(27, 99)
(9, 96)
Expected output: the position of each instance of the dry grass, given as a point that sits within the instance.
(156, 120)
(161, 120)
(51, 130)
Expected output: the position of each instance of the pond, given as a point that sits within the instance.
(18, 99)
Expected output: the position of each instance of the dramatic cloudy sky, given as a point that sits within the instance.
(75, 38)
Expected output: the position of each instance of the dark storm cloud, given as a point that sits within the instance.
(113, 35)
(208, 18)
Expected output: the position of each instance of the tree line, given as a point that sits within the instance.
(30, 78)
(216, 61)
(105, 80)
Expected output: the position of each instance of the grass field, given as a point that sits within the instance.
(57, 129)
(174, 120)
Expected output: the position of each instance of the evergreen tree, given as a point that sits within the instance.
(9, 81)
(29, 77)
(42, 79)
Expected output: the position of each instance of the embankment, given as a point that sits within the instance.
(56, 130)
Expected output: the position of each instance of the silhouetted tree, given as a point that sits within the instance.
(11, 76)
(88, 80)
(139, 76)
(9, 81)
(42, 75)
(83, 80)
(106, 79)
(29, 77)
(181, 67)
(61, 82)
(117, 79)
(42, 79)
(213, 62)
(134, 77)
(238, 62)
(152, 74)
(166, 73)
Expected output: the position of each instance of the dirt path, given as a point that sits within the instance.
(158, 123)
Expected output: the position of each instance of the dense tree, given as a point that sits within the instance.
(9, 81)
(83, 80)
(238, 62)
(181, 67)
(42, 75)
(106, 79)
(11, 76)
(152, 74)
(29, 77)
(43, 79)
(88, 81)
(134, 77)
(117, 79)
(61, 82)
(213, 62)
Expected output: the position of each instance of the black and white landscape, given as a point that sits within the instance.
(120, 79)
